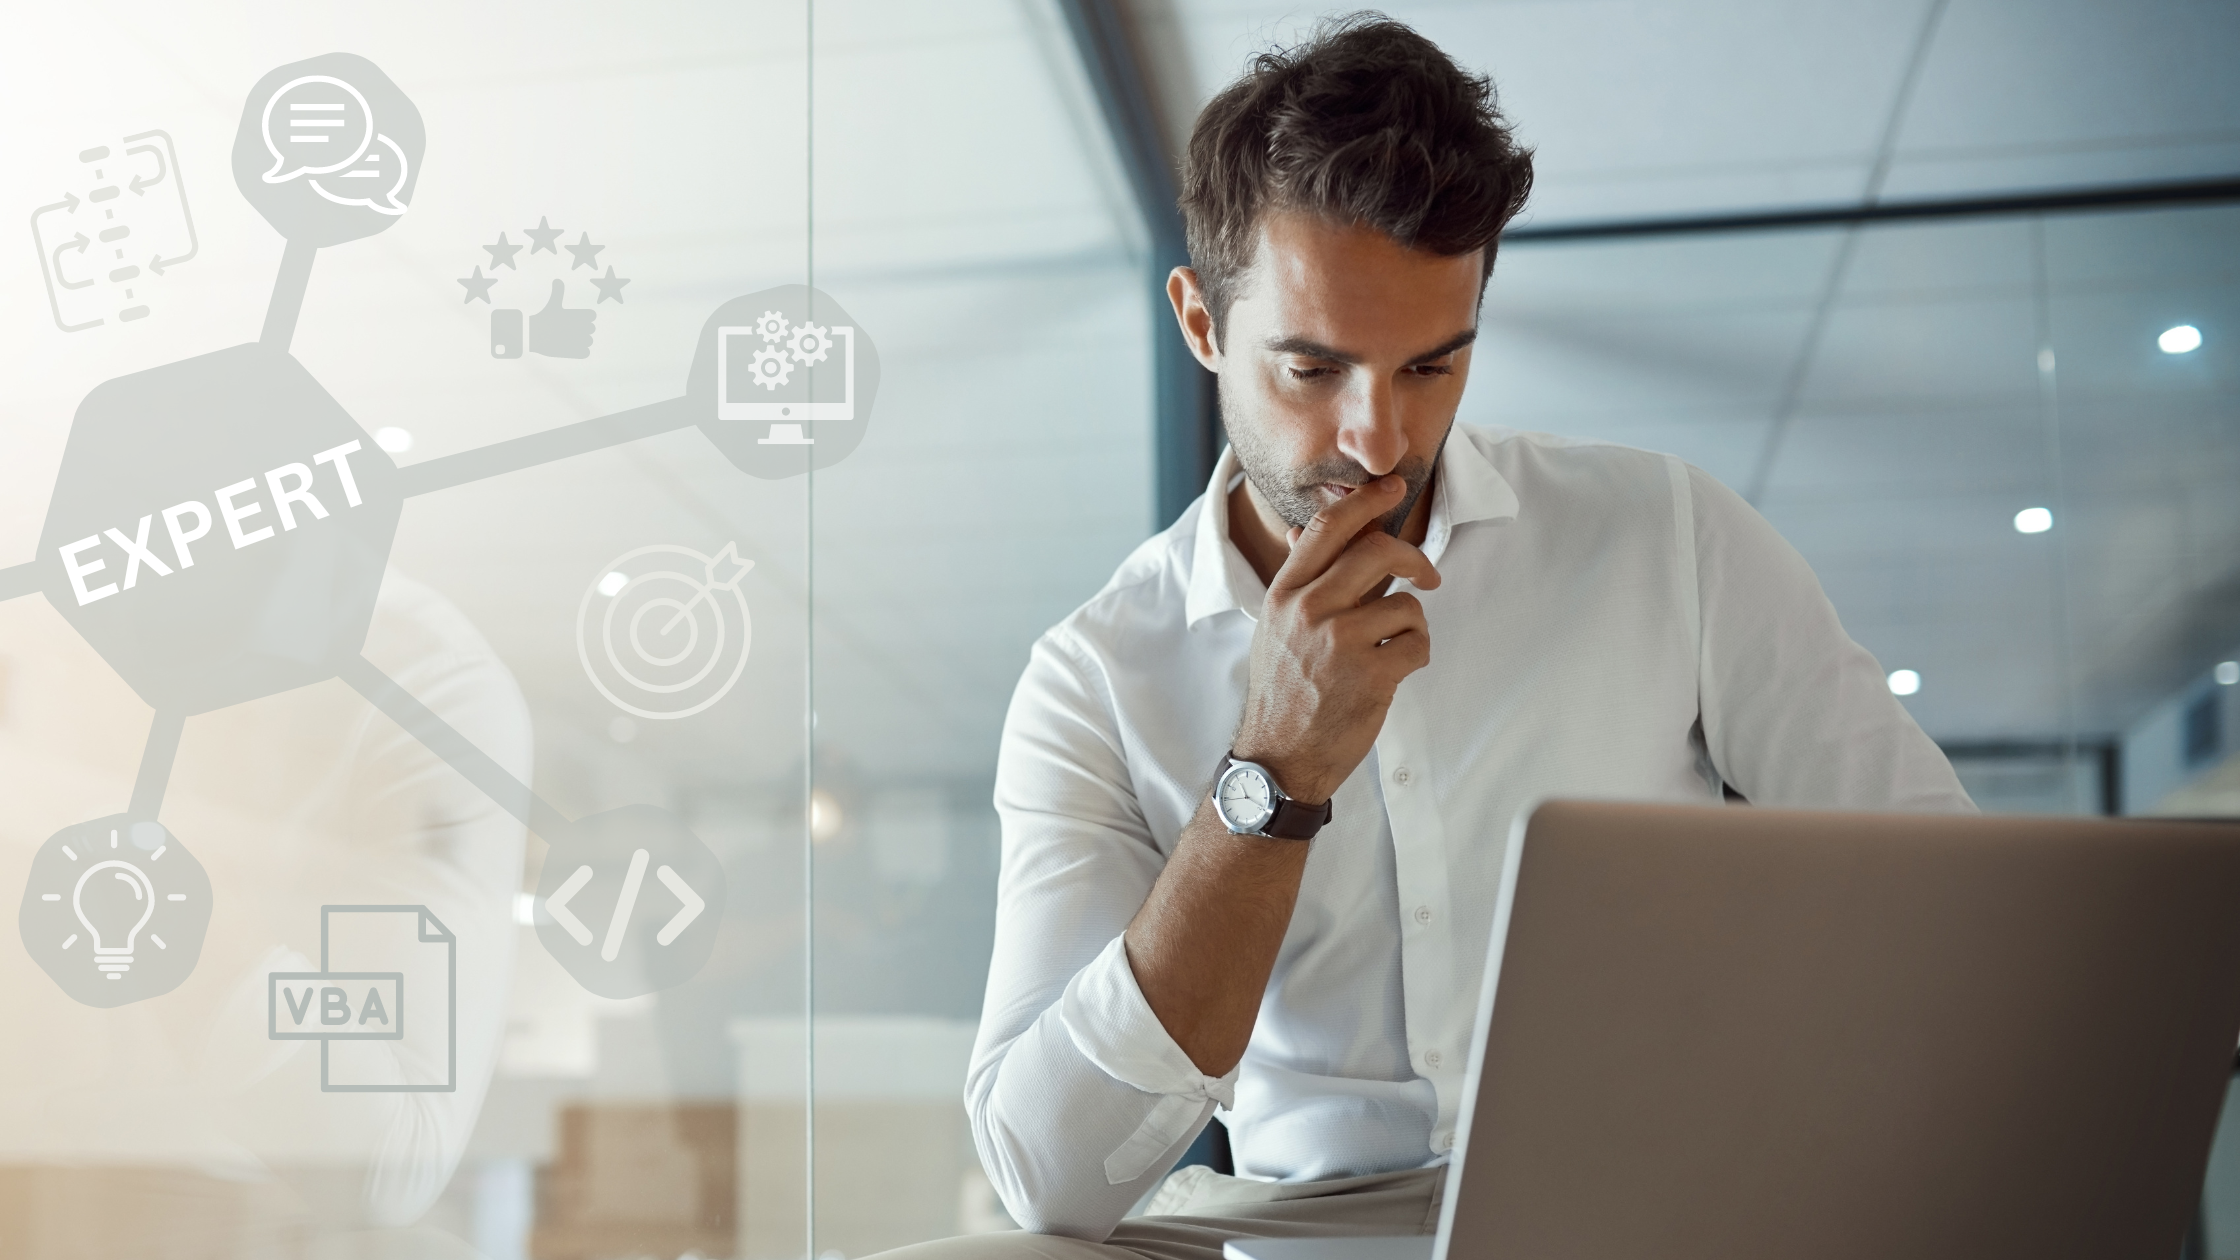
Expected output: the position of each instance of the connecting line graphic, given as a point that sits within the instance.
(578, 844)
(445, 741)
(155, 763)
(518, 453)
(288, 289)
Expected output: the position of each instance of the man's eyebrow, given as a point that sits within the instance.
(1445, 348)
(1309, 349)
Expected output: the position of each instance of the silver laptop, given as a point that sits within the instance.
(1740, 1034)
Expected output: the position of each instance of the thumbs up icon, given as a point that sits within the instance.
(555, 330)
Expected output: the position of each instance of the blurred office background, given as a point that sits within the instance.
(1949, 288)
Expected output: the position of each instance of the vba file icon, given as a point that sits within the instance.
(390, 1028)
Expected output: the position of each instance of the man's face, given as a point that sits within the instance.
(1343, 360)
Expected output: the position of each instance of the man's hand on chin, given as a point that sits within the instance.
(1329, 651)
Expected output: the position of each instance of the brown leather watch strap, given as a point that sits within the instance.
(1295, 821)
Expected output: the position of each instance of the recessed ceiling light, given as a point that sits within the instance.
(2228, 672)
(1904, 682)
(394, 440)
(611, 585)
(2033, 520)
(2179, 340)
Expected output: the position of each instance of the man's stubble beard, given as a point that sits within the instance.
(1294, 492)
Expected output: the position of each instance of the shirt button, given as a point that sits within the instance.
(1446, 1141)
(1431, 1058)
(1423, 914)
(1401, 776)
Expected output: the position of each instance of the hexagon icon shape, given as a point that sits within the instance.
(630, 901)
(218, 529)
(115, 910)
(328, 149)
(784, 380)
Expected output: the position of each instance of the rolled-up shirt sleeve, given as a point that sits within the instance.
(1794, 712)
(1079, 1099)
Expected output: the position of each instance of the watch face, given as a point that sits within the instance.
(1244, 798)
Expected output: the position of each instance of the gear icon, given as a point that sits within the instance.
(810, 343)
(772, 327)
(770, 368)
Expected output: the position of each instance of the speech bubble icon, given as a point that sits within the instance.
(314, 125)
(382, 161)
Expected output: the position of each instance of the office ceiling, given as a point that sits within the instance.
(1880, 397)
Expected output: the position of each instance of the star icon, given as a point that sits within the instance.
(479, 285)
(542, 236)
(587, 254)
(501, 254)
(609, 285)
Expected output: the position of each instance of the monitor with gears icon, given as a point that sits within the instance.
(788, 374)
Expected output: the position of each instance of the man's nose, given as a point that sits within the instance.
(1370, 432)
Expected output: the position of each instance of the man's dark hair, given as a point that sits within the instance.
(1367, 123)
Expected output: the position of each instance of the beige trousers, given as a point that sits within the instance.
(1198, 1209)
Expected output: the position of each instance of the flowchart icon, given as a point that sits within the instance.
(651, 934)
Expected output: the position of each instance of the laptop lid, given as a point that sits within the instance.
(1748, 1033)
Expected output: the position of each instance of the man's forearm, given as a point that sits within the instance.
(1204, 943)
(1328, 651)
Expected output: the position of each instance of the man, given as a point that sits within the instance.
(1380, 631)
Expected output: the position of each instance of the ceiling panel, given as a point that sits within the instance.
(2063, 93)
(1648, 108)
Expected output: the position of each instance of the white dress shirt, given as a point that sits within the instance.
(1611, 623)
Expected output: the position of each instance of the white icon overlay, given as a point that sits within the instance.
(115, 910)
(618, 924)
(115, 958)
(630, 901)
(672, 637)
(327, 129)
(111, 922)
(755, 362)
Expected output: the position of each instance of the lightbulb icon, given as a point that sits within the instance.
(122, 919)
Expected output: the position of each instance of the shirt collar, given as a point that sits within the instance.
(1468, 488)
(1220, 578)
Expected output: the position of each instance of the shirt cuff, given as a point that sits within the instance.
(1113, 1027)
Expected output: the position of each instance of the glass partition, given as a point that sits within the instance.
(407, 631)
(967, 199)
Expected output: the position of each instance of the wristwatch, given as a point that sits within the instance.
(1250, 804)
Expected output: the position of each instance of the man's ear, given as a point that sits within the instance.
(1189, 300)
